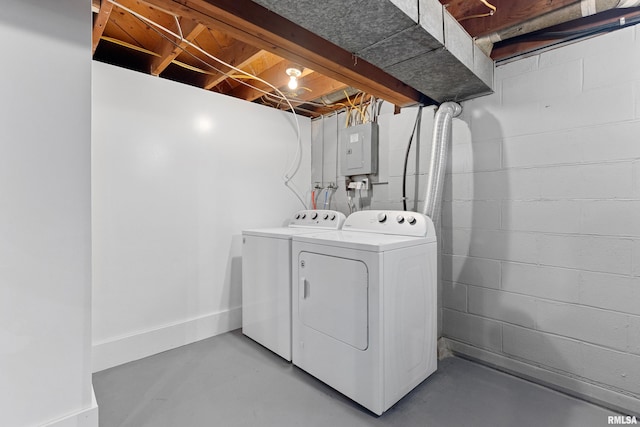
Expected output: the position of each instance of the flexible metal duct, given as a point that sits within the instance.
(568, 13)
(439, 147)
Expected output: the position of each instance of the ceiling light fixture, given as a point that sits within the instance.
(293, 74)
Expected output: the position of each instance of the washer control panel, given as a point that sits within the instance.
(403, 223)
(318, 218)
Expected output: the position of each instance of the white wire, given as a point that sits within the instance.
(179, 28)
(297, 160)
(236, 78)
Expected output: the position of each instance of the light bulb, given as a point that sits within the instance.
(293, 83)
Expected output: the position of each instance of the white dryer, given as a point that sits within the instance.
(266, 277)
(364, 306)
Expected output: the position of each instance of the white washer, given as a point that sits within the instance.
(266, 277)
(364, 306)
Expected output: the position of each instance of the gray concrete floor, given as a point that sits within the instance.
(230, 381)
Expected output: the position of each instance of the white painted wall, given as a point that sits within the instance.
(178, 173)
(45, 246)
(542, 272)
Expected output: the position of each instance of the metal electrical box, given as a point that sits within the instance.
(359, 149)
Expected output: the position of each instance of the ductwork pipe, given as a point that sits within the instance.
(439, 147)
(568, 13)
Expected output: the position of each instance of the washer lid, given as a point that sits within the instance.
(372, 242)
(282, 232)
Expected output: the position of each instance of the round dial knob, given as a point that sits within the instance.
(400, 219)
(314, 215)
(411, 220)
(382, 217)
(325, 216)
(297, 216)
(333, 217)
(303, 216)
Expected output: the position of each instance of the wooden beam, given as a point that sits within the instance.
(316, 86)
(239, 55)
(100, 23)
(169, 51)
(126, 26)
(275, 75)
(95, 6)
(260, 63)
(508, 13)
(253, 24)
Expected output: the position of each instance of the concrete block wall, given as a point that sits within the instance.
(541, 222)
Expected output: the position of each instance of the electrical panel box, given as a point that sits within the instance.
(359, 149)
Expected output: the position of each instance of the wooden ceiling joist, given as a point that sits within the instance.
(240, 55)
(275, 75)
(100, 22)
(315, 85)
(260, 63)
(135, 30)
(95, 6)
(257, 26)
(169, 51)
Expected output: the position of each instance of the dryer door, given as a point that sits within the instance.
(333, 297)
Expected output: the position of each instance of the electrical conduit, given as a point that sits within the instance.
(439, 147)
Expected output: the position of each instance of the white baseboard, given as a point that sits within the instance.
(108, 354)
(84, 418)
(627, 405)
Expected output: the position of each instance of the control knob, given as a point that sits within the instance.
(411, 220)
(400, 219)
(314, 215)
(382, 217)
(325, 216)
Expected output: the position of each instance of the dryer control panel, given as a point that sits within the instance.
(402, 223)
(326, 219)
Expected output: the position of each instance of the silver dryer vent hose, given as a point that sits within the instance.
(439, 148)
